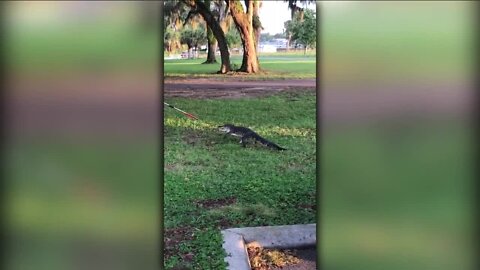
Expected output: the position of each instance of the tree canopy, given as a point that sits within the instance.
(217, 15)
(233, 38)
(303, 30)
(193, 37)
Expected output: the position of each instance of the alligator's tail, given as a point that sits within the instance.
(268, 143)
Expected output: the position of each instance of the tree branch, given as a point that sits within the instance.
(190, 15)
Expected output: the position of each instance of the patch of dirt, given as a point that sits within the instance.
(181, 267)
(208, 88)
(192, 138)
(173, 238)
(170, 167)
(224, 223)
(215, 203)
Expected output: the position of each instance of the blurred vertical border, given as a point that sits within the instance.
(318, 143)
(161, 132)
(81, 189)
(398, 173)
(2, 133)
(476, 124)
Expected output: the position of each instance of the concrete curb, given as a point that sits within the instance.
(287, 236)
(234, 245)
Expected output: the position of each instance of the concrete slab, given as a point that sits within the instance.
(234, 245)
(279, 237)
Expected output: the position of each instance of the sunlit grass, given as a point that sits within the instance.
(213, 126)
(274, 66)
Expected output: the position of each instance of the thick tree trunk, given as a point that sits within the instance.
(243, 21)
(257, 38)
(211, 47)
(250, 60)
(217, 32)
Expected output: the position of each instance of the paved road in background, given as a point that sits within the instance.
(208, 88)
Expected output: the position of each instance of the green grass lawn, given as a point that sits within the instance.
(213, 183)
(274, 65)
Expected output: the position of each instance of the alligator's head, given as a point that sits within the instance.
(226, 128)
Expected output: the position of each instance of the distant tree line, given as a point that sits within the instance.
(227, 24)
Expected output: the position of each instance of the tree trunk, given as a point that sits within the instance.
(243, 21)
(217, 32)
(190, 53)
(289, 41)
(257, 38)
(211, 47)
(257, 28)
